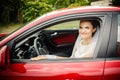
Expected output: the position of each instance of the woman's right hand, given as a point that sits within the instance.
(39, 57)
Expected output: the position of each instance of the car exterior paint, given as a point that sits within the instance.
(61, 71)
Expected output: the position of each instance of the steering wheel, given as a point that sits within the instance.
(39, 47)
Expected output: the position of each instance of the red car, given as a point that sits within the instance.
(55, 34)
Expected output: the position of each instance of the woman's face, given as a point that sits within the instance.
(86, 30)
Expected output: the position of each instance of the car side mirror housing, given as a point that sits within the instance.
(4, 57)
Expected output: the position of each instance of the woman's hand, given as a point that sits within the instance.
(39, 57)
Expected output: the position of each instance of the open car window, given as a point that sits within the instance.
(58, 39)
(55, 40)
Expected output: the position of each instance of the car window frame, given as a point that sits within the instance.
(112, 48)
(74, 16)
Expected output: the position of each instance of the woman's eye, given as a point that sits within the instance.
(87, 27)
(80, 27)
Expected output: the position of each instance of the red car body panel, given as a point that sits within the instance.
(55, 71)
(112, 70)
(2, 57)
(4, 51)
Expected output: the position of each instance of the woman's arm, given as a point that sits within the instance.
(40, 57)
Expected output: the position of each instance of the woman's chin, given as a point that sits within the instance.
(83, 37)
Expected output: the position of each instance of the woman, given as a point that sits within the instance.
(85, 43)
(87, 39)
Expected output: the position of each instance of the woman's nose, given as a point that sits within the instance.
(82, 30)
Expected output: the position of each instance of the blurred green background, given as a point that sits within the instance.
(15, 13)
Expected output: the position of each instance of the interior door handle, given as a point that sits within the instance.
(54, 34)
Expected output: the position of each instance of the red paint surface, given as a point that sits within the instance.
(112, 70)
(85, 70)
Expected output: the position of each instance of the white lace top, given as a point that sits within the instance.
(83, 50)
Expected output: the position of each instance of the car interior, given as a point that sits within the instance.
(58, 42)
(46, 42)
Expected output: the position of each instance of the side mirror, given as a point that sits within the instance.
(4, 57)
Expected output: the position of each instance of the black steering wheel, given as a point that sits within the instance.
(39, 47)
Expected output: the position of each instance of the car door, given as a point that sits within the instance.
(112, 64)
(61, 69)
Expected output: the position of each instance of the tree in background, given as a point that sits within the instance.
(35, 8)
(8, 10)
(116, 2)
(27, 10)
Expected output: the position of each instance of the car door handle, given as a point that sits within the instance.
(54, 34)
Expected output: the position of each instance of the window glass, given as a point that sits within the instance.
(66, 25)
(118, 36)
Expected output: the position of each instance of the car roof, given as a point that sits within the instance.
(85, 9)
(58, 13)
(66, 11)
